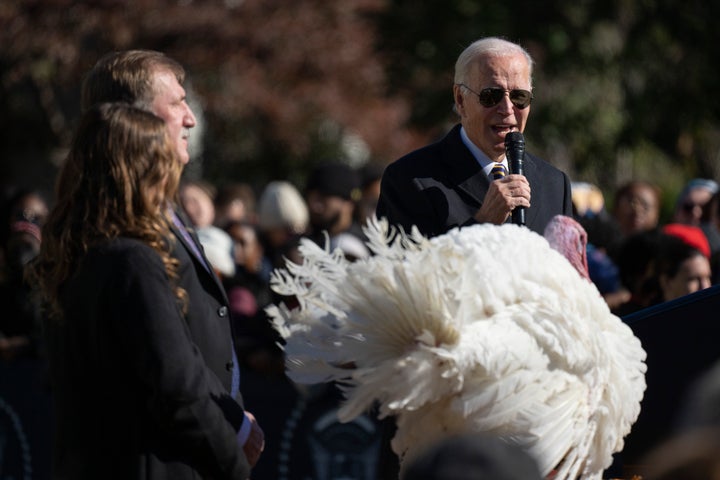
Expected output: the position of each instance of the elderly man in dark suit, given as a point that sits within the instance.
(449, 184)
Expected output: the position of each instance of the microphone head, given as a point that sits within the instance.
(514, 138)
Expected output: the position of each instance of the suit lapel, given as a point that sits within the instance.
(202, 264)
(195, 249)
(464, 170)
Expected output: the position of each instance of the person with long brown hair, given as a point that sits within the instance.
(153, 81)
(133, 395)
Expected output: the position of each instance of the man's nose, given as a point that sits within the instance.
(505, 105)
(189, 120)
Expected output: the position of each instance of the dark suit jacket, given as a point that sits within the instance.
(136, 391)
(208, 312)
(441, 186)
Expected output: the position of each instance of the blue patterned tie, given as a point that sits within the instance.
(498, 171)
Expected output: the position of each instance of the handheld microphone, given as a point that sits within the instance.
(515, 153)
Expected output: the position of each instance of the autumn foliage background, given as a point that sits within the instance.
(623, 89)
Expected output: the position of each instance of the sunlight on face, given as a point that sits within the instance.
(693, 275)
(638, 210)
(487, 126)
(170, 104)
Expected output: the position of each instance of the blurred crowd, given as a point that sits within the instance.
(245, 234)
(23, 213)
(634, 258)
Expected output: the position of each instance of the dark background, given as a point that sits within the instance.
(623, 89)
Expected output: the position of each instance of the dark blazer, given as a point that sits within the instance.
(441, 186)
(136, 387)
(208, 312)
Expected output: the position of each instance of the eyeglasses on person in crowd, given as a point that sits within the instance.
(690, 206)
(491, 96)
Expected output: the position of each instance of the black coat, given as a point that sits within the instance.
(441, 186)
(141, 390)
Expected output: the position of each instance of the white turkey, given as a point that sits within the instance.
(485, 328)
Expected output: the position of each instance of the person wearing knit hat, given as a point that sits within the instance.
(282, 207)
(334, 179)
(692, 199)
(331, 192)
(282, 218)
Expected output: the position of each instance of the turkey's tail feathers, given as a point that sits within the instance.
(485, 328)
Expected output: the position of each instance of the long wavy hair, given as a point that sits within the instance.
(117, 180)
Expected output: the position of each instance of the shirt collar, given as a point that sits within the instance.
(485, 163)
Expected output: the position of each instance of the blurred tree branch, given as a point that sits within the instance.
(624, 89)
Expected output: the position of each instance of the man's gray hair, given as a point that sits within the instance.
(487, 47)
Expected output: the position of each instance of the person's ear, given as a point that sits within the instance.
(459, 100)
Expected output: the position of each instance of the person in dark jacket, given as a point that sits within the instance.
(134, 395)
(452, 183)
(152, 81)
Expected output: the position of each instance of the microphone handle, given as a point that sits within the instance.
(515, 153)
(515, 159)
(518, 216)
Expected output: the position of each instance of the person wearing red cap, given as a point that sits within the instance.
(664, 264)
(683, 265)
(689, 234)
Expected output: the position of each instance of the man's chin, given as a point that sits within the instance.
(499, 149)
(184, 157)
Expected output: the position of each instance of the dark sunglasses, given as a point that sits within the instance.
(491, 96)
(689, 206)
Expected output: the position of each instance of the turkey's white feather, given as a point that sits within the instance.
(485, 328)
